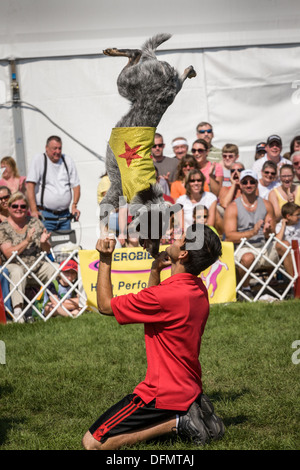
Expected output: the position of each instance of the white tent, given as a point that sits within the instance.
(246, 54)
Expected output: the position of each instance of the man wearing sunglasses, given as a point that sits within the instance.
(273, 153)
(166, 166)
(205, 131)
(251, 217)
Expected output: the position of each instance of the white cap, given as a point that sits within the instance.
(251, 173)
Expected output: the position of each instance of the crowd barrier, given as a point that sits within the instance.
(130, 272)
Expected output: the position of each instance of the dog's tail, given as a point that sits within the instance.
(151, 45)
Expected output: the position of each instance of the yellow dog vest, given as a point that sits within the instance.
(132, 149)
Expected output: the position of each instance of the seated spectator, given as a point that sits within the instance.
(295, 159)
(205, 131)
(10, 176)
(294, 147)
(5, 194)
(180, 147)
(229, 193)
(200, 216)
(251, 217)
(287, 191)
(273, 150)
(185, 165)
(268, 179)
(28, 236)
(213, 172)
(195, 195)
(288, 229)
(230, 154)
(260, 150)
(59, 289)
(166, 166)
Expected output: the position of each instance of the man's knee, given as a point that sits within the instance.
(247, 259)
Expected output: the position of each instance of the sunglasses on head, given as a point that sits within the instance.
(4, 198)
(19, 206)
(236, 169)
(202, 131)
(245, 182)
(157, 145)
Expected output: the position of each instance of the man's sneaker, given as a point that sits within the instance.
(214, 424)
(191, 425)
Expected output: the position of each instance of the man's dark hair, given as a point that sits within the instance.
(53, 137)
(204, 247)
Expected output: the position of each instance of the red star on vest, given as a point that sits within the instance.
(130, 154)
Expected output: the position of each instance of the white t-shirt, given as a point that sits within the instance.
(57, 194)
(206, 200)
(291, 232)
(263, 191)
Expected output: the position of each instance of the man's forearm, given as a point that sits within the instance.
(154, 278)
(104, 286)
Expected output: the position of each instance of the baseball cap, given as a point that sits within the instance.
(71, 264)
(251, 173)
(273, 138)
(261, 146)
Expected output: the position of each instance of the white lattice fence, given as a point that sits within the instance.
(33, 280)
(263, 283)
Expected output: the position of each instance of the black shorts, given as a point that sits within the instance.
(129, 414)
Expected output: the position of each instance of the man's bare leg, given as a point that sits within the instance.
(115, 442)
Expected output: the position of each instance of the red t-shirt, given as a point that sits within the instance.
(174, 314)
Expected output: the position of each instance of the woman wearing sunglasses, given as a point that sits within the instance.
(213, 172)
(28, 236)
(195, 195)
(185, 165)
(268, 180)
(287, 191)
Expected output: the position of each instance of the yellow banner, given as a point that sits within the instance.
(131, 268)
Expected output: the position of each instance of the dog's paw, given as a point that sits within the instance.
(192, 72)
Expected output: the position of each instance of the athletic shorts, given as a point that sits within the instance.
(129, 414)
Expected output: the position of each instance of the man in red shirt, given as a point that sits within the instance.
(174, 313)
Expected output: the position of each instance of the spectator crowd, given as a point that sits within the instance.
(212, 185)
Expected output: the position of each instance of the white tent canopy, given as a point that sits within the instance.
(246, 54)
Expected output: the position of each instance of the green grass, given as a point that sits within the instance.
(61, 375)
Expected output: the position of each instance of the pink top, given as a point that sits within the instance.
(207, 168)
(22, 184)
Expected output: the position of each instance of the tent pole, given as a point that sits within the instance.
(17, 121)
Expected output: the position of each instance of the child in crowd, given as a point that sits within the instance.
(59, 289)
(289, 226)
(200, 216)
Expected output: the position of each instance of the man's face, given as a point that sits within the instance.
(296, 165)
(273, 150)
(228, 159)
(180, 151)
(248, 185)
(4, 197)
(206, 133)
(158, 148)
(53, 150)
(174, 250)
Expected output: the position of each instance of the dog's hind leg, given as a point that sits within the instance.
(188, 73)
(133, 55)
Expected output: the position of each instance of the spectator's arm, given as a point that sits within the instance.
(30, 188)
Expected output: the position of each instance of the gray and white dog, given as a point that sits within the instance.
(151, 86)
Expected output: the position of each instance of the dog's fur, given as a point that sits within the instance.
(151, 86)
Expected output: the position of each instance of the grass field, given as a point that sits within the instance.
(61, 375)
